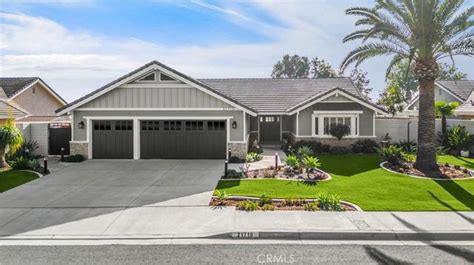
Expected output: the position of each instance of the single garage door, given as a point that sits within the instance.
(180, 139)
(112, 139)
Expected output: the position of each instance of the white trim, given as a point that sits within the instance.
(166, 81)
(281, 128)
(89, 138)
(148, 69)
(136, 139)
(35, 122)
(244, 127)
(157, 85)
(272, 113)
(44, 86)
(156, 109)
(321, 115)
(15, 106)
(330, 137)
(72, 125)
(157, 117)
(79, 142)
(337, 112)
(315, 99)
(297, 124)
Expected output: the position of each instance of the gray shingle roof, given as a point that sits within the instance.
(277, 95)
(12, 85)
(461, 88)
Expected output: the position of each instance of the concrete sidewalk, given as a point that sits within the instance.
(195, 222)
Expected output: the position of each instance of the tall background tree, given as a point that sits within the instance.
(424, 32)
(291, 67)
(295, 66)
(392, 99)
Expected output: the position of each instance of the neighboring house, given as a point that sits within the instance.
(32, 103)
(449, 91)
(158, 112)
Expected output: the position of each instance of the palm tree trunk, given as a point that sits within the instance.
(444, 132)
(2, 158)
(426, 152)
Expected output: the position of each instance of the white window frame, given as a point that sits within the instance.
(140, 80)
(335, 114)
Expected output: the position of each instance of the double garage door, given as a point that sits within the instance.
(160, 139)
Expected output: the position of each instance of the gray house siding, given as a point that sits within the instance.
(365, 124)
(288, 123)
(81, 134)
(156, 97)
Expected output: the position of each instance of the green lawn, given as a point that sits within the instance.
(12, 178)
(359, 179)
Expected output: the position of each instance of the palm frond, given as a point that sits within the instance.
(364, 52)
(395, 60)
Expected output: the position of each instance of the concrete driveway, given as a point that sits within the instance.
(93, 194)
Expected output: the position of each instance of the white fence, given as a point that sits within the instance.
(407, 128)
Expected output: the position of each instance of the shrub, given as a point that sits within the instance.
(292, 202)
(329, 202)
(311, 206)
(253, 157)
(236, 160)
(459, 138)
(221, 195)
(74, 158)
(310, 162)
(255, 148)
(340, 150)
(264, 199)
(316, 147)
(304, 151)
(392, 154)
(292, 161)
(24, 163)
(407, 146)
(268, 207)
(247, 206)
(339, 130)
(268, 173)
(27, 149)
(366, 146)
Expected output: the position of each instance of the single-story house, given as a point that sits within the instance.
(450, 91)
(33, 104)
(158, 112)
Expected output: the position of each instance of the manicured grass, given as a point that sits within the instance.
(12, 178)
(359, 179)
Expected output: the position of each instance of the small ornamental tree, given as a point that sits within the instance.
(11, 139)
(339, 130)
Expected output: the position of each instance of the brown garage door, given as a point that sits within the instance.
(181, 139)
(112, 139)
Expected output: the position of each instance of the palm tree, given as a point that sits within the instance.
(424, 32)
(11, 138)
(443, 109)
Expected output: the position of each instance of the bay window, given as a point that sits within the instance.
(322, 121)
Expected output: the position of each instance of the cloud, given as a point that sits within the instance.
(76, 62)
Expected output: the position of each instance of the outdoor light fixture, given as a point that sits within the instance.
(81, 125)
(234, 125)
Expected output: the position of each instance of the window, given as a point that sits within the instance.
(164, 77)
(123, 125)
(194, 126)
(216, 125)
(324, 120)
(172, 125)
(34, 90)
(148, 78)
(102, 125)
(150, 125)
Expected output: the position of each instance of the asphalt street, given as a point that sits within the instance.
(238, 254)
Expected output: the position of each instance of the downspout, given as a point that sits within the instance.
(408, 131)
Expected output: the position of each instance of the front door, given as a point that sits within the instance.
(269, 129)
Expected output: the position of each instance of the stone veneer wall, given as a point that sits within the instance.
(238, 149)
(79, 149)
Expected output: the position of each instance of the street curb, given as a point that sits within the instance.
(376, 236)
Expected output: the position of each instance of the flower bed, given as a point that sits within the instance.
(283, 173)
(448, 172)
(280, 204)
